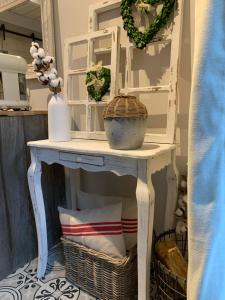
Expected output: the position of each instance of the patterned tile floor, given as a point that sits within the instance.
(24, 285)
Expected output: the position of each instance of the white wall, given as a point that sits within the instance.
(71, 19)
(39, 95)
(15, 44)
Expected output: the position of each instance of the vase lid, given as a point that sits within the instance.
(125, 107)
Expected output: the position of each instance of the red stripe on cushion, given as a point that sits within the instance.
(129, 227)
(132, 231)
(94, 234)
(129, 220)
(92, 229)
(90, 224)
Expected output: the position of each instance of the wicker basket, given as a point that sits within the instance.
(125, 107)
(168, 284)
(101, 275)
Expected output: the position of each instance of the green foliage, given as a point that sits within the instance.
(141, 39)
(103, 75)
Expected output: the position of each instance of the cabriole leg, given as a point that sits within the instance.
(145, 200)
(34, 181)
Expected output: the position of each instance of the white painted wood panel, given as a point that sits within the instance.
(172, 37)
(70, 72)
(102, 148)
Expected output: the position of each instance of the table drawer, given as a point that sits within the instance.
(81, 158)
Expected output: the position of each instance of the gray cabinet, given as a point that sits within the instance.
(18, 242)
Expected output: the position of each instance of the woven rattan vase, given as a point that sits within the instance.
(125, 122)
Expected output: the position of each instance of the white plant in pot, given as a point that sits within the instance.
(58, 111)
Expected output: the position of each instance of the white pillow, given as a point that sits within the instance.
(129, 212)
(99, 229)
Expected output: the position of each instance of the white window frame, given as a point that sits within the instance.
(175, 39)
(68, 72)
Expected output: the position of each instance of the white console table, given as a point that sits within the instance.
(96, 156)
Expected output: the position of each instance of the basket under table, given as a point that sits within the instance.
(100, 275)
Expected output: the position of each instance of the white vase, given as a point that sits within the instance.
(59, 119)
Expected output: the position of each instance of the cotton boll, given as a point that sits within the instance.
(183, 207)
(48, 60)
(185, 199)
(183, 184)
(54, 71)
(42, 66)
(184, 228)
(51, 74)
(181, 227)
(180, 202)
(36, 64)
(42, 78)
(34, 48)
(54, 83)
(58, 82)
(37, 61)
(179, 212)
(36, 45)
(178, 227)
(41, 53)
(35, 55)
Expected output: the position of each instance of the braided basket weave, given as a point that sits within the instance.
(125, 107)
(100, 275)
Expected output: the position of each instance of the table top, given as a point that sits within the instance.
(81, 146)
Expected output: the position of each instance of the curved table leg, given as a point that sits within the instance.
(145, 200)
(34, 181)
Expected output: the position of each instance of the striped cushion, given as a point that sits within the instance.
(99, 229)
(129, 212)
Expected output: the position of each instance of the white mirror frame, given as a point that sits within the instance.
(47, 24)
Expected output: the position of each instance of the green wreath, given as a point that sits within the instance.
(141, 39)
(98, 82)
